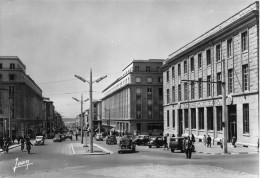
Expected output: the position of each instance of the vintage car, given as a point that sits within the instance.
(99, 137)
(111, 140)
(142, 140)
(126, 145)
(155, 141)
(39, 140)
(176, 143)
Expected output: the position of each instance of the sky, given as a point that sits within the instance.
(57, 39)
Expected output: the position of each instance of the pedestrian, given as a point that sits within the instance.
(188, 147)
(192, 138)
(209, 141)
(13, 138)
(205, 140)
(77, 136)
(165, 142)
(19, 138)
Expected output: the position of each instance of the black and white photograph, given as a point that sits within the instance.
(129, 88)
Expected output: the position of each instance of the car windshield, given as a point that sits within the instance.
(39, 137)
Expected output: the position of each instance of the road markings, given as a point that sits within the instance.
(72, 148)
(103, 148)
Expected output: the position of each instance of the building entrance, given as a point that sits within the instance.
(232, 122)
(180, 118)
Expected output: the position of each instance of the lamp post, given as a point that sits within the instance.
(81, 116)
(108, 120)
(90, 105)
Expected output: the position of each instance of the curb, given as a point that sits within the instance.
(11, 147)
(234, 153)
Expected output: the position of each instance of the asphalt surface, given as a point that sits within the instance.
(58, 160)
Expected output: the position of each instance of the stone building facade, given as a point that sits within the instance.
(227, 53)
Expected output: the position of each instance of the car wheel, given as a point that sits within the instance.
(172, 150)
(150, 146)
(119, 152)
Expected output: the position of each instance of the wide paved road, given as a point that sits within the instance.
(57, 160)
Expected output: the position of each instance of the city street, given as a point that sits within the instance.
(57, 159)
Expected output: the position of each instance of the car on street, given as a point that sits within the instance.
(99, 137)
(176, 143)
(39, 140)
(111, 140)
(126, 145)
(142, 140)
(155, 141)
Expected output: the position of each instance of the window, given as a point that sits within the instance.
(186, 118)
(12, 66)
(137, 79)
(173, 74)
(173, 94)
(219, 91)
(1, 77)
(138, 91)
(209, 85)
(11, 77)
(185, 67)
(229, 48)
(173, 118)
(179, 69)
(149, 102)
(149, 91)
(160, 90)
(186, 91)
(245, 77)
(192, 85)
(168, 96)
(1, 65)
(246, 118)
(148, 69)
(200, 88)
(199, 60)
(208, 53)
(201, 118)
(193, 118)
(218, 52)
(138, 114)
(168, 119)
(11, 90)
(219, 118)
(210, 118)
(192, 64)
(244, 41)
(179, 92)
(1, 100)
(137, 68)
(160, 80)
(149, 80)
(167, 76)
(230, 81)
(150, 114)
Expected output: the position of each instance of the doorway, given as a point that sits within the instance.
(232, 122)
(180, 122)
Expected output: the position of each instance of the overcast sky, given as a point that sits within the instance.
(57, 39)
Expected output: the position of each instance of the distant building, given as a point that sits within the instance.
(196, 107)
(48, 117)
(20, 99)
(133, 103)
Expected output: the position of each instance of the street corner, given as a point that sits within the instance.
(80, 149)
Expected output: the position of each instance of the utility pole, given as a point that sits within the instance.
(224, 113)
(81, 132)
(90, 113)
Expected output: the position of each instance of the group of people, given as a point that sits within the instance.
(6, 141)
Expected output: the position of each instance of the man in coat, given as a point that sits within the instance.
(188, 147)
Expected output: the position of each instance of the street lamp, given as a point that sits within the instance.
(9, 113)
(81, 118)
(90, 106)
(109, 120)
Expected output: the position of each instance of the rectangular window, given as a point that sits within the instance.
(219, 118)
(179, 69)
(201, 118)
(185, 67)
(11, 77)
(168, 119)
(199, 60)
(193, 118)
(160, 80)
(137, 79)
(173, 74)
(186, 118)
(192, 64)
(1, 65)
(210, 118)
(218, 52)
(186, 91)
(246, 118)
(208, 85)
(160, 90)
(168, 96)
(1, 77)
(192, 85)
(179, 92)
(245, 77)
(208, 53)
(173, 94)
(173, 118)
(230, 81)
(244, 41)
(12, 66)
(229, 48)
(11, 90)
(149, 80)
(167, 76)
(137, 68)
(200, 88)
(219, 91)
(148, 69)
(149, 91)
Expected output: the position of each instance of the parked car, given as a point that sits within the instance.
(155, 141)
(39, 140)
(111, 139)
(57, 139)
(176, 143)
(126, 145)
(142, 140)
(99, 137)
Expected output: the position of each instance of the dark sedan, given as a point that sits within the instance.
(155, 141)
(142, 140)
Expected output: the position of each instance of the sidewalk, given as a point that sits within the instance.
(79, 149)
(13, 145)
(215, 149)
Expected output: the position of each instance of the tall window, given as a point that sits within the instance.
(173, 93)
(1, 100)
(245, 77)
(160, 91)
(192, 64)
(201, 118)
(244, 41)
(186, 118)
(137, 68)
(219, 91)
(138, 103)
(11, 77)
(1, 77)
(173, 74)
(168, 119)
(148, 69)
(192, 85)
(193, 118)
(186, 91)
(1, 65)
(230, 81)
(179, 92)
(229, 48)
(219, 118)
(199, 60)
(168, 96)
(210, 118)
(11, 90)
(12, 66)
(218, 52)
(167, 76)
(149, 91)
(185, 67)
(173, 118)
(179, 69)
(245, 118)
(200, 88)
(208, 53)
(160, 80)
(209, 85)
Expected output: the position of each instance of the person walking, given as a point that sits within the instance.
(209, 141)
(165, 142)
(205, 140)
(188, 147)
(192, 138)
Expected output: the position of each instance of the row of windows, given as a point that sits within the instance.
(12, 66)
(11, 77)
(148, 79)
(147, 69)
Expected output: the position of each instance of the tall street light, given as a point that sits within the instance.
(90, 105)
(81, 116)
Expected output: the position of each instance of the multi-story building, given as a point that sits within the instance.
(133, 103)
(227, 53)
(48, 117)
(20, 99)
